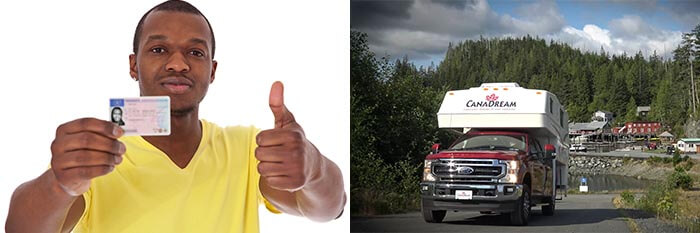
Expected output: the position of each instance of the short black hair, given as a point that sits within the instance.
(174, 6)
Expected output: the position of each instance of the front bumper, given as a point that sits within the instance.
(486, 197)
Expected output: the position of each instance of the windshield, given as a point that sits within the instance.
(491, 142)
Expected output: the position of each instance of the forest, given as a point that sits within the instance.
(394, 103)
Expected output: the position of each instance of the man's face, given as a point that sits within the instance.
(174, 59)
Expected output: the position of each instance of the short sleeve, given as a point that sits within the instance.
(255, 175)
(82, 225)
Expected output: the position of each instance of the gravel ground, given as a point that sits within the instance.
(647, 222)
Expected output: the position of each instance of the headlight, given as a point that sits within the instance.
(512, 167)
(427, 174)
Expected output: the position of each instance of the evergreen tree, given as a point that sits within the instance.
(631, 110)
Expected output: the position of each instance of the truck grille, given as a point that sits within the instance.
(475, 192)
(468, 170)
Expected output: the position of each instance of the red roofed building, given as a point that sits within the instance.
(641, 128)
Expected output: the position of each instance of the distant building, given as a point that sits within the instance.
(688, 145)
(666, 137)
(616, 130)
(639, 128)
(596, 130)
(642, 111)
(602, 116)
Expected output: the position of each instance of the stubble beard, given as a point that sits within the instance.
(182, 111)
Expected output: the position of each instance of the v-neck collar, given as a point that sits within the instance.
(195, 157)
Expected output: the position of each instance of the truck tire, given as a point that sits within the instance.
(430, 215)
(434, 216)
(548, 210)
(521, 214)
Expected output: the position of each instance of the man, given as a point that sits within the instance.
(201, 178)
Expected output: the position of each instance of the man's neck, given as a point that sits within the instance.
(185, 136)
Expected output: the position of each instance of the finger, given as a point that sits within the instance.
(271, 154)
(83, 173)
(87, 158)
(284, 183)
(276, 137)
(282, 115)
(106, 128)
(90, 141)
(268, 169)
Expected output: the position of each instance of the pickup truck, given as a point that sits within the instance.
(491, 172)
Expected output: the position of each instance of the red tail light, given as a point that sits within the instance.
(549, 147)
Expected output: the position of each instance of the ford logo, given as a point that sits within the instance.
(465, 170)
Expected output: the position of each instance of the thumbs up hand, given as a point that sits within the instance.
(287, 158)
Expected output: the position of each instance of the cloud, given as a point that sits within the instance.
(414, 44)
(378, 14)
(686, 12)
(624, 37)
(423, 29)
(632, 26)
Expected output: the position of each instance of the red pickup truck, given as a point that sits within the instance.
(503, 171)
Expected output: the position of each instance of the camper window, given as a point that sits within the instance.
(561, 117)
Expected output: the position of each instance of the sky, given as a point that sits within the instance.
(423, 29)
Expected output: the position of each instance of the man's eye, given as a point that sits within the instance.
(157, 50)
(197, 53)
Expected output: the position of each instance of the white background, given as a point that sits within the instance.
(61, 61)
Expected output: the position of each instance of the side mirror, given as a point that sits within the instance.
(435, 148)
(549, 151)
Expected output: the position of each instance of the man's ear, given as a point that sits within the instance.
(133, 71)
(214, 63)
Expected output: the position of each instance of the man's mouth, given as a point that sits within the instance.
(176, 85)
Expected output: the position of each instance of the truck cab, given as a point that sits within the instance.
(505, 162)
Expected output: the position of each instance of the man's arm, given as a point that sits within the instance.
(321, 199)
(294, 176)
(40, 205)
(83, 149)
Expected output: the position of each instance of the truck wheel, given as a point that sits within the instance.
(548, 210)
(432, 216)
(521, 214)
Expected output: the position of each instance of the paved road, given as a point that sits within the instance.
(576, 213)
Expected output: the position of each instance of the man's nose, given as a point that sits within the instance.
(177, 63)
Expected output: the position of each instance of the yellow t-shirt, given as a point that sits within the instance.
(216, 192)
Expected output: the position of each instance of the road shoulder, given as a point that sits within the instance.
(642, 222)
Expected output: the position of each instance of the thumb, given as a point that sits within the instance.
(282, 116)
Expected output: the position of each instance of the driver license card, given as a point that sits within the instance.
(144, 116)
(463, 194)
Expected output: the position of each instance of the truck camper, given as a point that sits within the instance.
(513, 155)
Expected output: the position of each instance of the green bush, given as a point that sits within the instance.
(680, 179)
(677, 158)
(380, 188)
(627, 197)
(688, 164)
(652, 196)
(665, 206)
